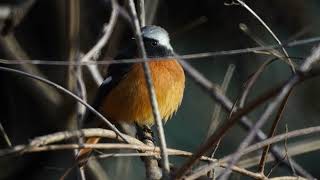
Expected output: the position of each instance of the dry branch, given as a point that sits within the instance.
(151, 90)
(217, 95)
(270, 31)
(257, 146)
(294, 80)
(94, 52)
(62, 89)
(185, 57)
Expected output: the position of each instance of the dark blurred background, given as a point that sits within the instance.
(195, 26)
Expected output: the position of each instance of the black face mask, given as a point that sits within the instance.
(154, 49)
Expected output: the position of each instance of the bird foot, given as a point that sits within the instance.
(145, 133)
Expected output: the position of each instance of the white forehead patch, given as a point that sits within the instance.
(157, 33)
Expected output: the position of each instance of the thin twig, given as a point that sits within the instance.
(92, 132)
(242, 101)
(228, 105)
(108, 29)
(217, 109)
(287, 152)
(94, 52)
(214, 138)
(273, 52)
(185, 57)
(41, 143)
(304, 68)
(275, 139)
(151, 90)
(96, 75)
(272, 132)
(270, 31)
(202, 171)
(288, 178)
(297, 148)
(215, 121)
(62, 89)
(265, 116)
(285, 156)
(251, 82)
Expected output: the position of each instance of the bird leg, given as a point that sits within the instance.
(145, 133)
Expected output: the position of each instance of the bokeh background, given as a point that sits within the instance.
(195, 26)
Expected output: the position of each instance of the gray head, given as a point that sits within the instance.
(157, 41)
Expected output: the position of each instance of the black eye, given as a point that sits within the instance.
(154, 43)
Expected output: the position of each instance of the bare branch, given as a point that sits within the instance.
(62, 89)
(215, 118)
(41, 143)
(227, 104)
(94, 53)
(185, 57)
(301, 147)
(275, 139)
(271, 107)
(288, 178)
(304, 68)
(202, 171)
(251, 82)
(270, 31)
(151, 90)
(108, 29)
(217, 109)
(272, 132)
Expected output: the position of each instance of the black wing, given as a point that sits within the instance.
(115, 73)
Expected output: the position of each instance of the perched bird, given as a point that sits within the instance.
(123, 96)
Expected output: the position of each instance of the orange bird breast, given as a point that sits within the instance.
(129, 102)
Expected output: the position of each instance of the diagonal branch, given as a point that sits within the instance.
(275, 139)
(215, 93)
(94, 52)
(295, 79)
(64, 90)
(270, 31)
(272, 132)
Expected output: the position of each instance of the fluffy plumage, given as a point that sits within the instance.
(129, 101)
(123, 96)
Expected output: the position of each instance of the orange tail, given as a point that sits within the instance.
(84, 154)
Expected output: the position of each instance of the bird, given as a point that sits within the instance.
(123, 96)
